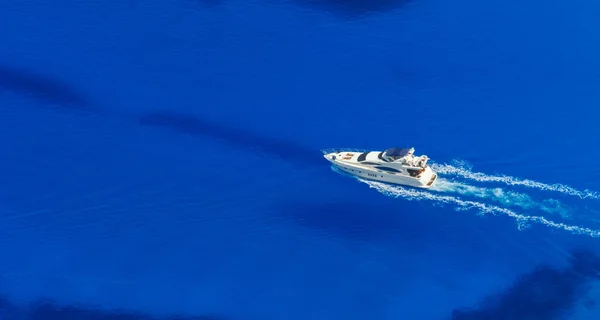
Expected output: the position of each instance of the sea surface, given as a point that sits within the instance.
(162, 158)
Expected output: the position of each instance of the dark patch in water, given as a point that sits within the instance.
(196, 126)
(45, 310)
(546, 293)
(43, 88)
(353, 9)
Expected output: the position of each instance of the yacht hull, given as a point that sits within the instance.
(388, 178)
(352, 164)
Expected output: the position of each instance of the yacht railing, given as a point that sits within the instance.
(338, 150)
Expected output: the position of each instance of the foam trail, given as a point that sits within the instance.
(463, 171)
(506, 198)
(522, 220)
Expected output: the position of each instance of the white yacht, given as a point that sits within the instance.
(394, 165)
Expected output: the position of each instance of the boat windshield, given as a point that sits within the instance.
(393, 154)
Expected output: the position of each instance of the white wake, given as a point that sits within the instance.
(497, 194)
(506, 198)
(463, 170)
(522, 220)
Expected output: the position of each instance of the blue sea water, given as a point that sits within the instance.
(162, 158)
